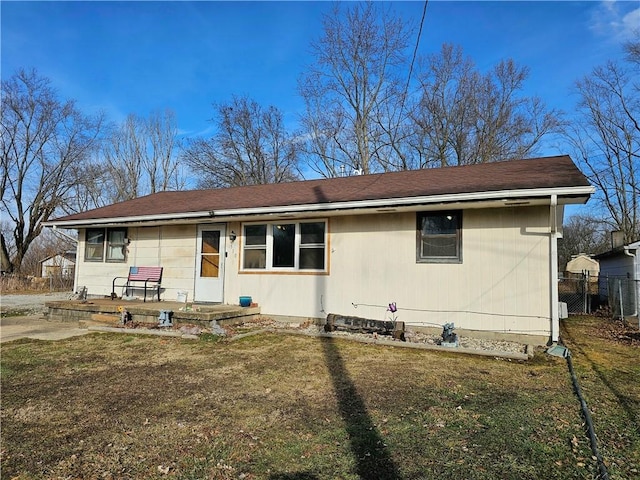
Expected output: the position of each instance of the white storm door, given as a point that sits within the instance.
(210, 264)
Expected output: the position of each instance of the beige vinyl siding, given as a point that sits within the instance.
(171, 247)
(96, 276)
(502, 283)
(177, 256)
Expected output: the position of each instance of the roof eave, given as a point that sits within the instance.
(129, 219)
(506, 198)
(569, 194)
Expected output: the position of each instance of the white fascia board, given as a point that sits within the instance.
(229, 214)
(131, 219)
(405, 201)
(634, 245)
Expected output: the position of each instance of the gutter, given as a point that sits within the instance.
(501, 195)
(398, 202)
(129, 219)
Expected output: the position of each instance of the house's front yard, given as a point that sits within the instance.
(292, 407)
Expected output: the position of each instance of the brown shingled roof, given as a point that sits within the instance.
(538, 173)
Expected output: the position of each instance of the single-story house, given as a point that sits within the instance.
(474, 245)
(60, 264)
(620, 274)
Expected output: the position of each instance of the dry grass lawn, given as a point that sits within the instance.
(278, 406)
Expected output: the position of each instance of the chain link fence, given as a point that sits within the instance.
(622, 294)
(580, 292)
(586, 294)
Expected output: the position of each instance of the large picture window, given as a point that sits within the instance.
(439, 237)
(108, 244)
(289, 246)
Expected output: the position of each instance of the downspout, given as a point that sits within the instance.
(635, 280)
(553, 259)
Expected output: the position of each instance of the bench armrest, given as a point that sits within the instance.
(113, 284)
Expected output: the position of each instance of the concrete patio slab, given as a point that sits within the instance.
(37, 327)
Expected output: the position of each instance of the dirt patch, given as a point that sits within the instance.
(623, 332)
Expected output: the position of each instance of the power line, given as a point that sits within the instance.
(415, 50)
(413, 58)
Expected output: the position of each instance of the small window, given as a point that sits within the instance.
(113, 241)
(439, 237)
(255, 246)
(94, 245)
(312, 246)
(116, 245)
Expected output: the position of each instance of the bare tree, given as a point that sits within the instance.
(47, 244)
(444, 116)
(466, 117)
(6, 249)
(45, 142)
(139, 158)
(161, 164)
(353, 92)
(250, 147)
(606, 136)
(123, 154)
(582, 234)
(95, 187)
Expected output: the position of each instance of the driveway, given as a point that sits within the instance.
(31, 321)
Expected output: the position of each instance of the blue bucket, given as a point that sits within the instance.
(245, 301)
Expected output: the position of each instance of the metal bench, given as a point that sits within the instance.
(150, 279)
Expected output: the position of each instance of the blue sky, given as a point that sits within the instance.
(139, 57)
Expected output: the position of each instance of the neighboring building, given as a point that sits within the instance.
(59, 265)
(583, 264)
(578, 287)
(620, 278)
(475, 245)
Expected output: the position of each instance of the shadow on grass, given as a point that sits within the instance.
(372, 457)
(622, 399)
(293, 476)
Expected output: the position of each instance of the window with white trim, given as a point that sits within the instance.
(108, 244)
(439, 237)
(285, 246)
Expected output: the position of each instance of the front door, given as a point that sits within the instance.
(210, 264)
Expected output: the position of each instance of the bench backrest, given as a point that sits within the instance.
(153, 274)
